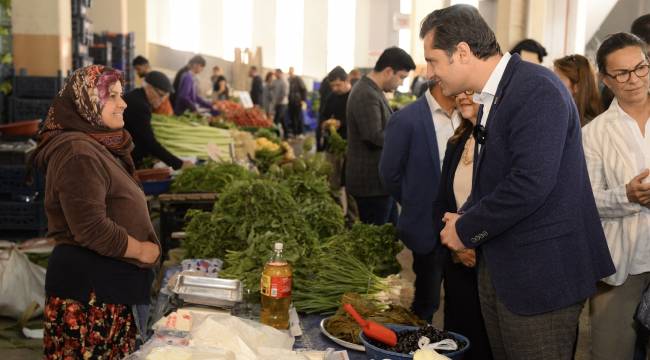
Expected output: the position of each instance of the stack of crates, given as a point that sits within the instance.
(122, 48)
(82, 36)
(32, 96)
(21, 204)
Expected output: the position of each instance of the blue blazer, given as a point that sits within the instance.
(410, 172)
(532, 212)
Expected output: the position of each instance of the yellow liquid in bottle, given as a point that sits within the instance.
(276, 294)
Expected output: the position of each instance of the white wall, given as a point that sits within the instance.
(619, 19)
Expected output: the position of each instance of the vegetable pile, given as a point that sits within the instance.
(236, 114)
(293, 204)
(212, 177)
(187, 135)
(342, 326)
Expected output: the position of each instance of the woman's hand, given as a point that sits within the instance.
(145, 252)
(149, 252)
(467, 257)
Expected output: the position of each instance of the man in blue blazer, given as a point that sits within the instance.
(531, 214)
(414, 147)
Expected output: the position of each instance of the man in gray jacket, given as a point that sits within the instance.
(281, 100)
(367, 115)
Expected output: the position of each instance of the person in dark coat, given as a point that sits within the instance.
(367, 114)
(297, 97)
(462, 309)
(531, 215)
(257, 88)
(137, 119)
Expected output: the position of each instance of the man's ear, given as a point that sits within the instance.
(464, 52)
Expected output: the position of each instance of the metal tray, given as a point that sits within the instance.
(343, 343)
(208, 290)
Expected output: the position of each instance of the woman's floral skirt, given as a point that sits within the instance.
(74, 330)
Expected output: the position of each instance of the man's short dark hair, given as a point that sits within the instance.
(396, 59)
(641, 28)
(532, 46)
(616, 42)
(140, 60)
(460, 23)
(254, 68)
(197, 60)
(337, 74)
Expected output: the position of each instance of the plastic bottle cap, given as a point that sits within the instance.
(278, 246)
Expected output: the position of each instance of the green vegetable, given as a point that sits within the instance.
(189, 135)
(246, 209)
(336, 272)
(376, 245)
(212, 177)
(336, 144)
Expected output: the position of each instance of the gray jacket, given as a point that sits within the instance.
(280, 91)
(367, 114)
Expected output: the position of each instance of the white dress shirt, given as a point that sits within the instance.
(486, 96)
(443, 124)
(641, 144)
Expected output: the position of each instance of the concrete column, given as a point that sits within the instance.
(419, 10)
(137, 23)
(42, 32)
(264, 17)
(512, 26)
(315, 39)
(110, 15)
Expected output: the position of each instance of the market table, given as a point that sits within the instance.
(313, 338)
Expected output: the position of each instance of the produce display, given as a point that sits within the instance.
(407, 341)
(236, 114)
(212, 177)
(342, 326)
(188, 135)
(400, 100)
(376, 245)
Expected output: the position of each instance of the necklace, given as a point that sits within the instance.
(468, 151)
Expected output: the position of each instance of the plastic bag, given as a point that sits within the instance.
(21, 284)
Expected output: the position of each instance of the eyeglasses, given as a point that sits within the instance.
(624, 76)
(466, 92)
(480, 134)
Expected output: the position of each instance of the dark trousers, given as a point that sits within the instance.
(280, 117)
(374, 210)
(463, 308)
(428, 278)
(519, 337)
(295, 118)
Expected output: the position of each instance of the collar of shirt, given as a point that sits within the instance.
(490, 88)
(435, 107)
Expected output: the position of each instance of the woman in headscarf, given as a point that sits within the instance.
(99, 273)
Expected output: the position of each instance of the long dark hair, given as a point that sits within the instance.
(581, 75)
(462, 130)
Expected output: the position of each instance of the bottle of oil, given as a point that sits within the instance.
(275, 287)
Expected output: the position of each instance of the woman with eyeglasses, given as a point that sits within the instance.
(462, 309)
(617, 151)
(578, 76)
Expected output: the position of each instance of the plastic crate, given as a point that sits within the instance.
(28, 109)
(79, 8)
(101, 54)
(81, 61)
(36, 87)
(13, 181)
(14, 152)
(22, 215)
